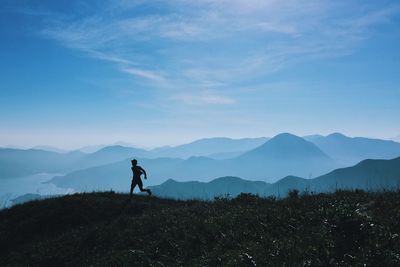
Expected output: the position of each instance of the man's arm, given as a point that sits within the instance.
(144, 172)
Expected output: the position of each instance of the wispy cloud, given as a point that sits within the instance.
(144, 74)
(204, 98)
(217, 42)
(109, 57)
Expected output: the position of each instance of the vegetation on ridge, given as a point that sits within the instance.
(347, 228)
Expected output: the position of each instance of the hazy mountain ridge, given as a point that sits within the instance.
(285, 145)
(21, 162)
(282, 155)
(350, 150)
(210, 146)
(18, 162)
(110, 154)
(50, 149)
(109, 167)
(261, 163)
(366, 175)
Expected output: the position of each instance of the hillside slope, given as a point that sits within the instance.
(341, 229)
(369, 174)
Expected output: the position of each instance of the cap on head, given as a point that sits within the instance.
(134, 161)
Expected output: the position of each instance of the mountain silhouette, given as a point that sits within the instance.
(224, 186)
(369, 174)
(21, 162)
(110, 154)
(210, 146)
(348, 150)
(50, 149)
(285, 145)
(267, 163)
(278, 157)
(284, 154)
(366, 175)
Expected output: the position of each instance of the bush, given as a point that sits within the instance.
(293, 194)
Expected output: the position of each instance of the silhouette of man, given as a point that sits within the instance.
(137, 171)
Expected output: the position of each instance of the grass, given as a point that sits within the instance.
(347, 228)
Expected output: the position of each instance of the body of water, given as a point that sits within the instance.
(32, 184)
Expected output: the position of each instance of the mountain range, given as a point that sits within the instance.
(369, 175)
(349, 151)
(262, 159)
(283, 155)
(22, 162)
(366, 175)
(218, 147)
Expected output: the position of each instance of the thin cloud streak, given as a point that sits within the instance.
(205, 98)
(150, 75)
(222, 42)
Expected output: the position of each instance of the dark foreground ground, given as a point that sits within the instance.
(341, 229)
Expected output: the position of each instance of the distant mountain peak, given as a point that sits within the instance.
(286, 145)
(111, 148)
(337, 135)
(170, 181)
(209, 146)
(286, 137)
(228, 179)
(117, 148)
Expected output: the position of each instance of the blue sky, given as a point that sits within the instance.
(151, 73)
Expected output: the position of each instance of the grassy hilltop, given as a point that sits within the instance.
(347, 228)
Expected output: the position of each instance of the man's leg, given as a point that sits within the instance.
(140, 183)
(133, 184)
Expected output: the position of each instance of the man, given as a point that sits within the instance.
(137, 171)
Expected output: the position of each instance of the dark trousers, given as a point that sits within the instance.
(138, 181)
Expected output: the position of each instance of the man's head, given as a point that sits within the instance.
(134, 162)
